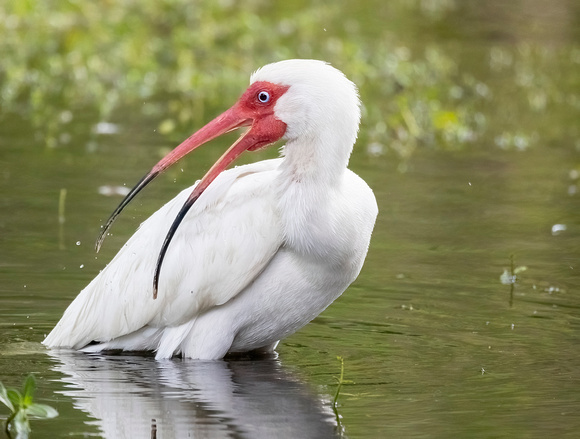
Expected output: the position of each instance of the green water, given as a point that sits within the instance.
(470, 140)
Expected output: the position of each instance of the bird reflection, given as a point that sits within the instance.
(137, 397)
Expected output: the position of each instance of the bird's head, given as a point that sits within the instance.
(319, 98)
(292, 100)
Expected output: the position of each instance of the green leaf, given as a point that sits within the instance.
(5, 399)
(29, 388)
(15, 397)
(41, 411)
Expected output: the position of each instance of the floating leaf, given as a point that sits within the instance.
(4, 398)
(29, 388)
(22, 407)
(42, 411)
(14, 397)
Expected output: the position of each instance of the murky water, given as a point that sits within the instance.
(470, 142)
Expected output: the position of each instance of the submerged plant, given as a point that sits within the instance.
(22, 407)
(340, 381)
(510, 276)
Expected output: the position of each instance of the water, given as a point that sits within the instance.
(470, 142)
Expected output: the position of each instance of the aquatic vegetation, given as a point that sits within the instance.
(174, 62)
(22, 408)
(340, 381)
(511, 276)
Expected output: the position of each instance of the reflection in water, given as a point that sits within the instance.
(138, 397)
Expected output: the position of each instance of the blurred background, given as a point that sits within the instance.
(466, 317)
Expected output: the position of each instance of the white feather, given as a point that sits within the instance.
(219, 248)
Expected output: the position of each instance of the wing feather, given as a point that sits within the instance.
(222, 245)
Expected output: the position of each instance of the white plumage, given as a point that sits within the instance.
(264, 249)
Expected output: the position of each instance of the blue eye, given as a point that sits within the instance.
(264, 97)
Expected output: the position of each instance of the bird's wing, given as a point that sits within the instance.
(223, 243)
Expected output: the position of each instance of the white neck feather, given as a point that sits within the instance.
(321, 109)
(311, 178)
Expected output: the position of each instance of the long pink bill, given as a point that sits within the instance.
(263, 132)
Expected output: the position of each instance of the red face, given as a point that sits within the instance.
(261, 95)
(257, 105)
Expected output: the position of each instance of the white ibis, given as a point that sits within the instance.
(246, 256)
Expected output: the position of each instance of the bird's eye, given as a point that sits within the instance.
(264, 97)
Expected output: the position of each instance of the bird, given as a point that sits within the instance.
(247, 255)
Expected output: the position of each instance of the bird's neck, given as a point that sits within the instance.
(311, 177)
(318, 161)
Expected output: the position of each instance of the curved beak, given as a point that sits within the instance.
(264, 130)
